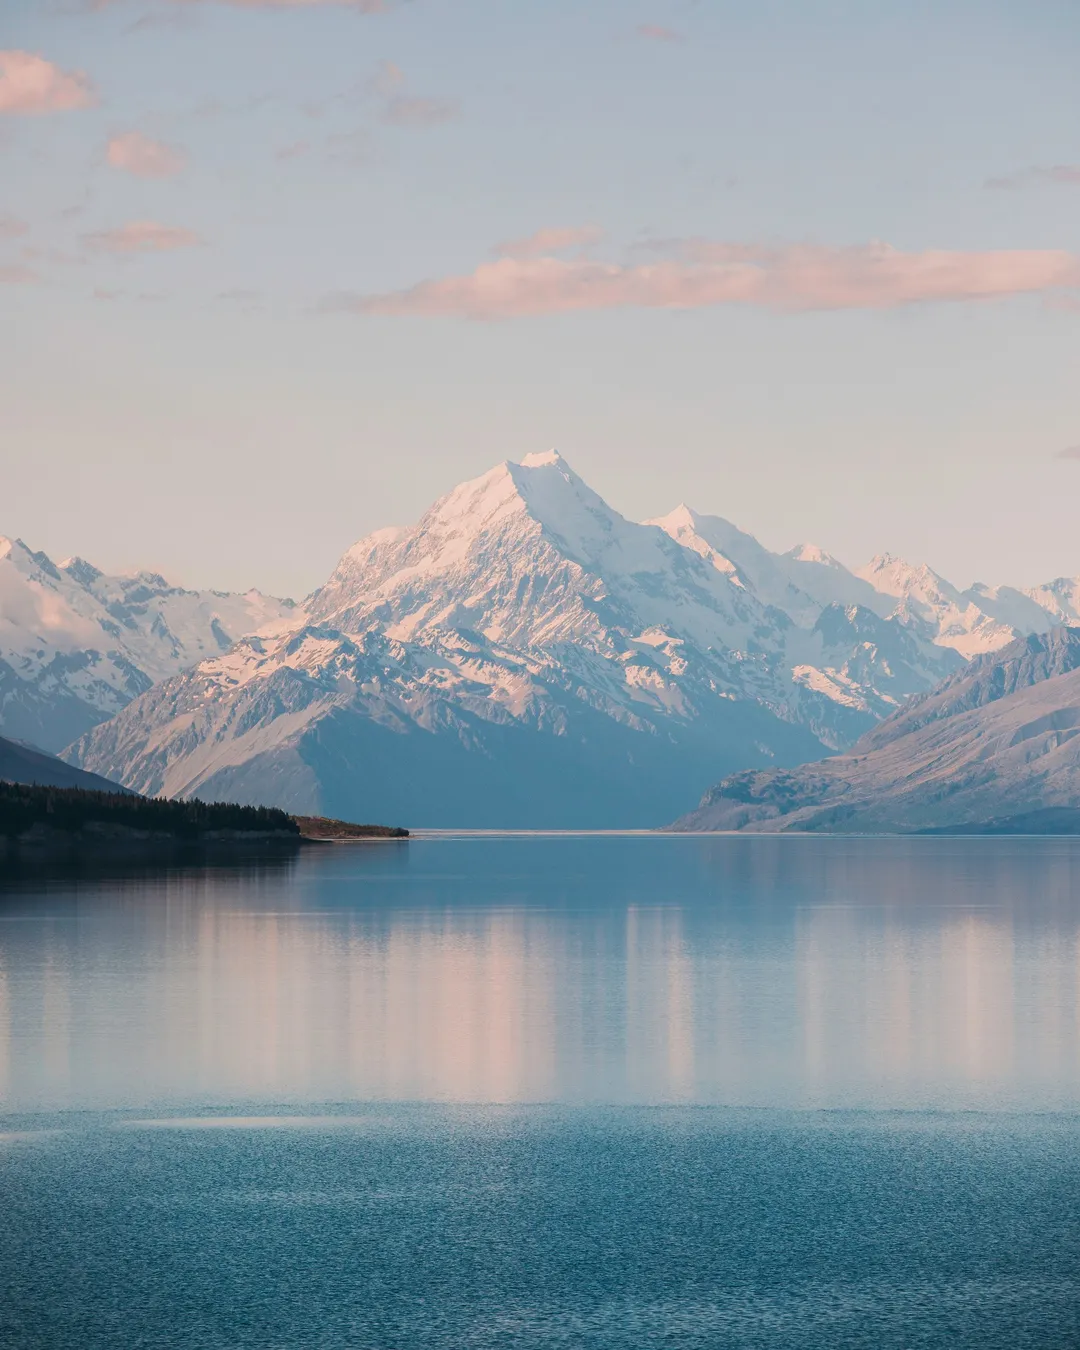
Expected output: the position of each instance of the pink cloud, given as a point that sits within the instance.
(293, 150)
(11, 227)
(403, 109)
(18, 275)
(792, 277)
(143, 236)
(388, 79)
(553, 239)
(54, 256)
(1067, 175)
(415, 114)
(654, 32)
(1070, 452)
(134, 153)
(29, 84)
(351, 148)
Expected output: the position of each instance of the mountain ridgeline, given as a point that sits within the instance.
(523, 656)
(76, 645)
(994, 748)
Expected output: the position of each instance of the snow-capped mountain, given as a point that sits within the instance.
(525, 656)
(76, 645)
(522, 655)
(923, 598)
(800, 583)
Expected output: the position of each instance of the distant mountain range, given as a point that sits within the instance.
(994, 747)
(553, 661)
(523, 656)
(76, 645)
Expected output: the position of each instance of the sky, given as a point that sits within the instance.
(276, 273)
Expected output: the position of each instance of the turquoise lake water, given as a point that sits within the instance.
(580, 1091)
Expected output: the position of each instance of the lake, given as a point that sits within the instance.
(546, 1091)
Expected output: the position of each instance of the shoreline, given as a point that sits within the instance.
(98, 840)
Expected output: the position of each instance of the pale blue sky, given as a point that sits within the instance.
(210, 419)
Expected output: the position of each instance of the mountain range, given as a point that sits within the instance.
(993, 746)
(522, 656)
(76, 645)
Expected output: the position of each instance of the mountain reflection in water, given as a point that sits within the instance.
(752, 972)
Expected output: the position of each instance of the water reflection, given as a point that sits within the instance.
(903, 973)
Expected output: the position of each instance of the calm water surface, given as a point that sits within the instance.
(556, 1091)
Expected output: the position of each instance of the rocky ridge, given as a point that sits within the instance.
(997, 741)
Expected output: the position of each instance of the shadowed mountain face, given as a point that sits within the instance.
(23, 764)
(526, 656)
(993, 746)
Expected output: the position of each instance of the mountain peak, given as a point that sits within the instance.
(539, 458)
(812, 553)
(81, 571)
(681, 518)
(896, 576)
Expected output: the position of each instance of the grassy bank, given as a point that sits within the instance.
(320, 827)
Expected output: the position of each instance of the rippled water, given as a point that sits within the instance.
(556, 1091)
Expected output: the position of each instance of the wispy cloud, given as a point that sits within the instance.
(1070, 452)
(1066, 175)
(401, 108)
(654, 32)
(350, 148)
(294, 150)
(178, 19)
(785, 278)
(30, 85)
(551, 239)
(416, 114)
(105, 296)
(143, 236)
(242, 300)
(11, 227)
(18, 275)
(54, 257)
(389, 79)
(134, 153)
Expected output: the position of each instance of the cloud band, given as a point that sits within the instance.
(791, 278)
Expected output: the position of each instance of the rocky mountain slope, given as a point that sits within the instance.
(526, 656)
(997, 741)
(76, 645)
